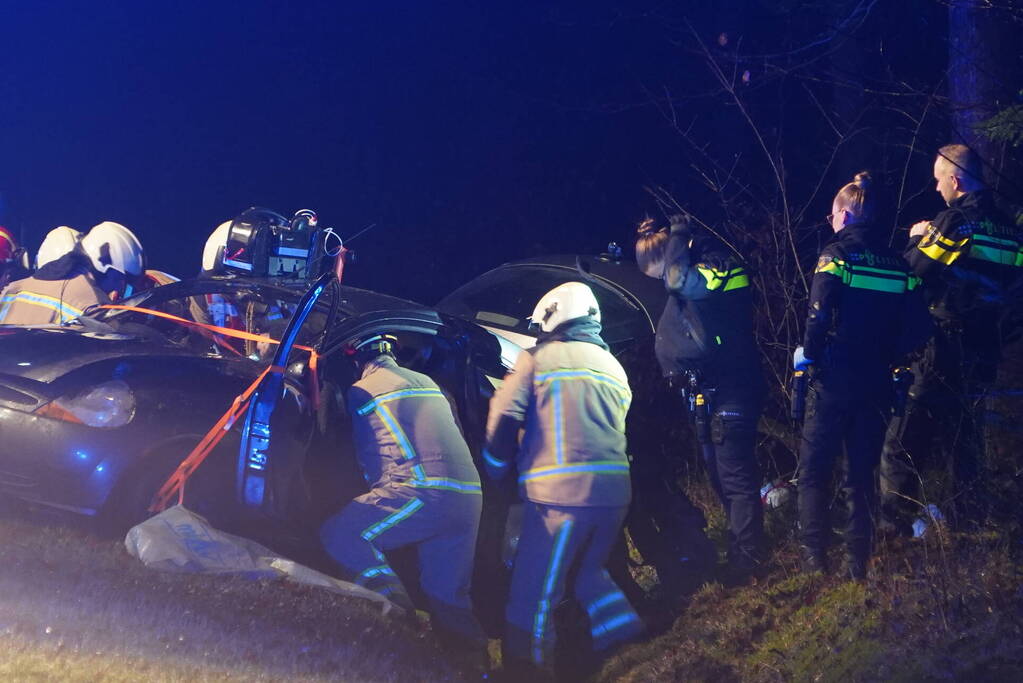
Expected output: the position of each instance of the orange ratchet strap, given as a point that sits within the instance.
(175, 484)
(225, 331)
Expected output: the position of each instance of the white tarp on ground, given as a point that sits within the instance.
(179, 540)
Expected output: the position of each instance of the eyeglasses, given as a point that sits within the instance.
(831, 216)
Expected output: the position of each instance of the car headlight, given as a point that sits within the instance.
(111, 404)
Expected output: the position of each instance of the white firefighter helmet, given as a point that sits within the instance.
(59, 241)
(565, 302)
(213, 252)
(111, 246)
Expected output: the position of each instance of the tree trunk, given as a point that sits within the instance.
(973, 83)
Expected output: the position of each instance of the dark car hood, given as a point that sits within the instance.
(46, 353)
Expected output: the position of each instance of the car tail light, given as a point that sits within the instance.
(111, 404)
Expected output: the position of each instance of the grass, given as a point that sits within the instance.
(77, 608)
(949, 607)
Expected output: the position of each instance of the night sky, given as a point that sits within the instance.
(469, 134)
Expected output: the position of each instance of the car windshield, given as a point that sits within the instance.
(227, 319)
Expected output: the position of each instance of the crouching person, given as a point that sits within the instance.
(425, 491)
(571, 396)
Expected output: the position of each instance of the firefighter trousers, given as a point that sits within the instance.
(443, 526)
(558, 543)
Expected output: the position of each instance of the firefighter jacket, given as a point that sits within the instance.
(866, 309)
(571, 395)
(707, 323)
(405, 432)
(969, 255)
(59, 292)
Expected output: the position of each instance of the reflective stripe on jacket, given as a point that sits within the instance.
(572, 397)
(969, 255)
(866, 310)
(405, 431)
(48, 302)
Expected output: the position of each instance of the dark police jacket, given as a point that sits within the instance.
(707, 323)
(866, 309)
(970, 253)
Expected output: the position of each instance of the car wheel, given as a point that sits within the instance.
(129, 501)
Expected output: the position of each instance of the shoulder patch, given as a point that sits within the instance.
(931, 236)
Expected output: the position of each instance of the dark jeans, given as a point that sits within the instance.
(840, 414)
(941, 429)
(735, 473)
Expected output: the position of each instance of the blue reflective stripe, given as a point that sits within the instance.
(397, 432)
(543, 607)
(559, 445)
(402, 513)
(600, 603)
(446, 484)
(494, 462)
(580, 374)
(382, 570)
(66, 311)
(395, 395)
(580, 468)
(614, 623)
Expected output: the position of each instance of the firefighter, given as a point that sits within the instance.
(425, 491)
(570, 396)
(100, 269)
(864, 315)
(967, 256)
(59, 241)
(13, 262)
(705, 344)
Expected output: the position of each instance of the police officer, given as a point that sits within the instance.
(425, 491)
(570, 396)
(967, 256)
(105, 263)
(864, 315)
(705, 344)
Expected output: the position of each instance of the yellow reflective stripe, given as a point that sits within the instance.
(943, 250)
(55, 304)
(736, 282)
(868, 277)
(580, 373)
(736, 277)
(834, 267)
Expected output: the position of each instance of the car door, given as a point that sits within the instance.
(267, 468)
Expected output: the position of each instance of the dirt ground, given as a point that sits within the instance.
(77, 607)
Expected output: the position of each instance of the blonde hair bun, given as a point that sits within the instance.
(863, 180)
(646, 227)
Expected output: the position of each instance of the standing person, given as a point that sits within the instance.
(101, 268)
(570, 396)
(967, 256)
(863, 317)
(705, 344)
(425, 491)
